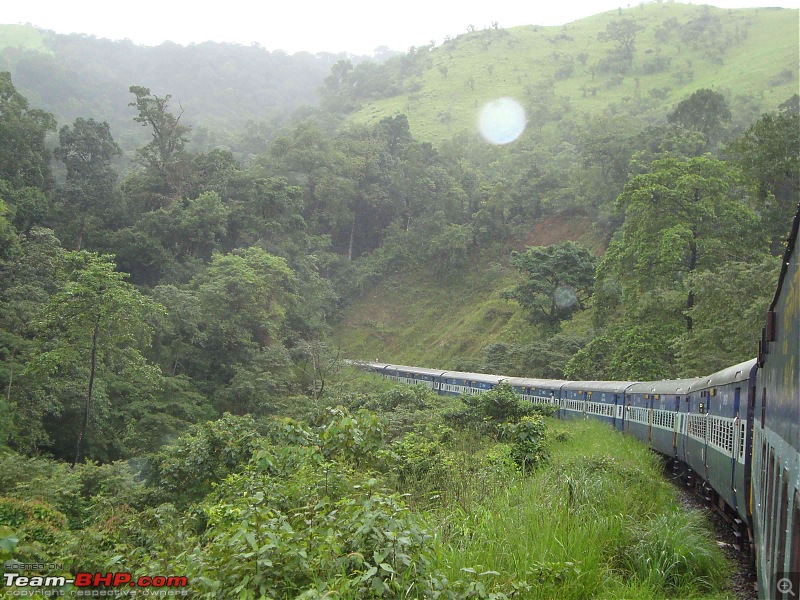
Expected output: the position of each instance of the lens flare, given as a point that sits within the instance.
(565, 297)
(502, 121)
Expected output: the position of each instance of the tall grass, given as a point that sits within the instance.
(597, 521)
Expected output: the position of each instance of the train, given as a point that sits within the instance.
(734, 435)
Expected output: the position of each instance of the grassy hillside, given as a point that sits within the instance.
(23, 37)
(415, 318)
(749, 55)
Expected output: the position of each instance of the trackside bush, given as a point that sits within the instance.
(501, 404)
(527, 439)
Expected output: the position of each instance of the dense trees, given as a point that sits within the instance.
(87, 150)
(164, 158)
(24, 157)
(685, 224)
(769, 156)
(241, 268)
(90, 332)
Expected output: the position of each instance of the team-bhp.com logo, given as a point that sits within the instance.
(94, 580)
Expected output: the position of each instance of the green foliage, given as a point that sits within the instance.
(86, 149)
(32, 520)
(159, 418)
(727, 316)
(542, 358)
(89, 333)
(527, 441)
(628, 351)
(75, 492)
(768, 153)
(186, 470)
(253, 262)
(559, 281)
(705, 111)
(164, 157)
(416, 455)
(682, 218)
(623, 32)
(672, 552)
(24, 157)
(489, 410)
(366, 542)
(561, 532)
(352, 438)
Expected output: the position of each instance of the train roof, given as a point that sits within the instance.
(740, 372)
(669, 386)
(599, 386)
(419, 370)
(483, 377)
(791, 242)
(367, 363)
(536, 383)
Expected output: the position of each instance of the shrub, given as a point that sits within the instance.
(488, 410)
(32, 519)
(185, 470)
(527, 441)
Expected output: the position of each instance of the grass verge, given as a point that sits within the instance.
(597, 521)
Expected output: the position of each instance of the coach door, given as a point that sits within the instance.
(737, 397)
(675, 425)
(626, 424)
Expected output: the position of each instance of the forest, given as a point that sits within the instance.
(175, 308)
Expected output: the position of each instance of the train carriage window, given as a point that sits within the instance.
(742, 437)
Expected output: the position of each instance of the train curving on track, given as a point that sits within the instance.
(734, 434)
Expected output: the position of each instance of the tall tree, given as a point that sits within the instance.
(24, 157)
(623, 32)
(165, 156)
(86, 149)
(28, 278)
(705, 111)
(769, 155)
(89, 332)
(728, 314)
(559, 281)
(680, 217)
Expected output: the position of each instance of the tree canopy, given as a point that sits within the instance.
(559, 281)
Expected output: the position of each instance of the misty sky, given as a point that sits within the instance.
(355, 26)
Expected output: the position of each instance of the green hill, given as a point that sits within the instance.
(23, 37)
(749, 55)
(560, 75)
(416, 318)
(220, 86)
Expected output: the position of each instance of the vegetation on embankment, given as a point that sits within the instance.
(597, 520)
(398, 493)
(425, 318)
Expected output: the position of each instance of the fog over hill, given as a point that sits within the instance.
(238, 96)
